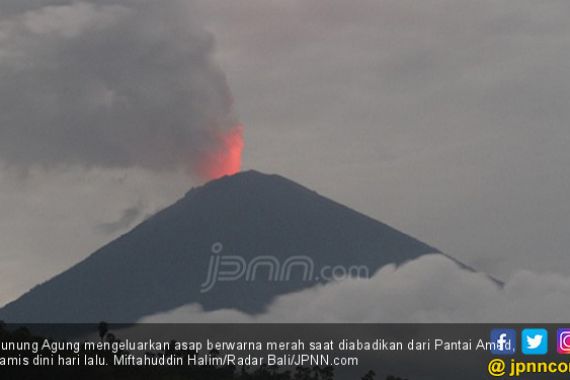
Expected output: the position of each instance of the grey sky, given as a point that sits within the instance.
(447, 119)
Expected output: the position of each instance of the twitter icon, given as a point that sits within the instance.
(534, 341)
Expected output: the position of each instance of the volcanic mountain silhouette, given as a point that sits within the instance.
(163, 262)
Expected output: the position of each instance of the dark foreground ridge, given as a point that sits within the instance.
(162, 263)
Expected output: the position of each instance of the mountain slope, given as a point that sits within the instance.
(164, 262)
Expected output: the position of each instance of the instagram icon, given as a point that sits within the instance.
(563, 341)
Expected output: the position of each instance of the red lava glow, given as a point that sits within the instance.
(226, 158)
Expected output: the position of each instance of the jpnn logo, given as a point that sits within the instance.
(267, 268)
(534, 341)
(504, 341)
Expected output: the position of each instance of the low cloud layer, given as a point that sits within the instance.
(429, 289)
(112, 84)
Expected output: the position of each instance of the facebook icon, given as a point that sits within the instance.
(503, 341)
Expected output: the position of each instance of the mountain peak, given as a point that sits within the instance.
(248, 178)
(247, 187)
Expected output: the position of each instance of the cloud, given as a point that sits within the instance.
(431, 288)
(111, 84)
(129, 216)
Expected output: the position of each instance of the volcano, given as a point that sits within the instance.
(242, 230)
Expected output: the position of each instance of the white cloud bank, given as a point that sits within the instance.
(429, 289)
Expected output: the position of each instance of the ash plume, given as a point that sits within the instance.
(112, 84)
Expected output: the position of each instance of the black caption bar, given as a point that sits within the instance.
(283, 351)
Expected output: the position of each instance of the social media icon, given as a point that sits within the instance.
(563, 341)
(504, 341)
(534, 341)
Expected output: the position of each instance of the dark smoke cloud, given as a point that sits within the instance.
(127, 219)
(108, 84)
